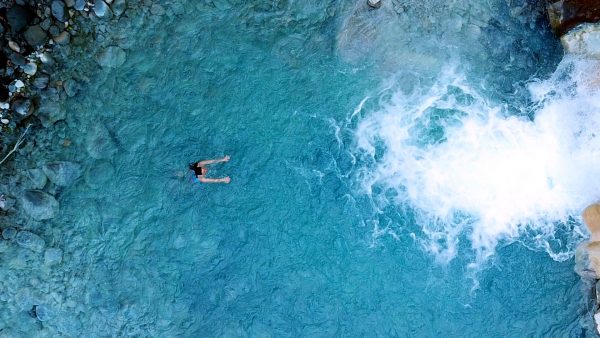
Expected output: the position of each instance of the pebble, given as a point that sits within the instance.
(63, 38)
(30, 241)
(42, 313)
(79, 5)
(30, 68)
(71, 87)
(101, 9)
(53, 256)
(22, 107)
(41, 81)
(374, 3)
(14, 46)
(118, 7)
(9, 233)
(58, 10)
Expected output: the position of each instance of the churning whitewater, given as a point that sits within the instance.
(495, 172)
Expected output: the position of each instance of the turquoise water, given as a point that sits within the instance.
(294, 245)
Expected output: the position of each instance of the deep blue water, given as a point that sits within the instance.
(293, 246)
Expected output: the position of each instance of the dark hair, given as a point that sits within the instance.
(192, 165)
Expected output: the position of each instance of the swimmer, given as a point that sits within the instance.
(200, 171)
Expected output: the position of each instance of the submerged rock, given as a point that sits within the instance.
(9, 233)
(39, 205)
(99, 143)
(58, 10)
(118, 7)
(101, 9)
(62, 173)
(30, 241)
(18, 17)
(37, 178)
(53, 256)
(42, 313)
(111, 57)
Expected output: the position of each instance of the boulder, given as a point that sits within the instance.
(583, 41)
(30, 241)
(35, 36)
(567, 14)
(39, 205)
(62, 173)
(18, 17)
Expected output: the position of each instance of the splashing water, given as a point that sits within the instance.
(469, 165)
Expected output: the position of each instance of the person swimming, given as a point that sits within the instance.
(200, 171)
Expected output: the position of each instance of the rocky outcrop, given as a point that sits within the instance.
(567, 14)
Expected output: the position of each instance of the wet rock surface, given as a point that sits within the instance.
(567, 14)
(39, 205)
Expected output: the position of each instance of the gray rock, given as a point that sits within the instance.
(35, 36)
(79, 5)
(30, 241)
(99, 143)
(62, 173)
(63, 38)
(71, 87)
(53, 256)
(41, 81)
(43, 313)
(118, 7)
(46, 24)
(39, 205)
(52, 111)
(111, 57)
(9, 233)
(58, 10)
(18, 59)
(102, 10)
(54, 30)
(22, 107)
(30, 68)
(18, 17)
(37, 178)
(70, 3)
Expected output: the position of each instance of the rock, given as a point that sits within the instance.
(53, 256)
(79, 5)
(41, 81)
(52, 111)
(42, 313)
(9, 233)
(30, 68)
(46, 24)
(70, 3)
(71, 87)
(583, 41)
(39, 205)
(58, 10)
(374, 3)
(30, 241)
(47, 59)
(18, 59)
(118, 7)
(62, 173)
(18, 17)
(157, 9)
(102, 10)
(597, 321)
(54, 31)
(14, 46)
(22, 107)
(37, 178)
(591, 217)
(111, 57)
(63, 38)
(99, 143)
(567, 14)
(35, 36)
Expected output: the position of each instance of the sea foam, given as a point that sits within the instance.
(469, 166)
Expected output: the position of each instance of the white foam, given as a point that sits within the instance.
(472, 168)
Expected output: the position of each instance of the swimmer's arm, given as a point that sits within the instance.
(214, 180)
(224, 159)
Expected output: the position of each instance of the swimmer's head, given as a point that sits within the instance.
(192, 166)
